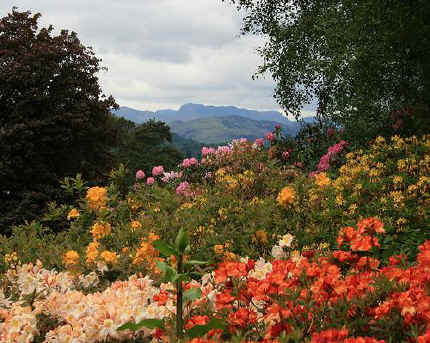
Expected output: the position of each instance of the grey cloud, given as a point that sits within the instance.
(164, 53)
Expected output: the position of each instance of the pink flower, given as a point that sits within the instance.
(171, 176)
(150, 181)
(140, 174)
(184, 189)
(270, 136)
(189, 162)
(222, 150)
(207, 151)
(158, 170)
(331, 131)
(285, 154)
(299, 164)
(259, 142)
(324, 163)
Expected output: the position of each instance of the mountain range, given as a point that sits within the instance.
(215, 124)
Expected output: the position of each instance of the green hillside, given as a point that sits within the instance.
(223, 129)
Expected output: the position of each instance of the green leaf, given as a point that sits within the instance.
(147, 323)
(164, 248)
(192, 294)
(181, 241)
(201, 330)
(194, 262)
(181, 277)
(170, 274)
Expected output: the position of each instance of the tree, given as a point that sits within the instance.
(145, 146)
(54, 119)
(362, 60)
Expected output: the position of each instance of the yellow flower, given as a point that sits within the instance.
(295, 256)
(97, 197)
(109, 257)
(322, 180)
(11, 258)
(286, 196)
(71, 258)
(380, 140)
(352, 208)
(135, 224)
(339, 200)
(74, 213)
(100, 230)
(218, 249)
(401, 221)
(229, 256)
(397, 179)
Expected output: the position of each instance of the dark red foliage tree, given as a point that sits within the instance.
(54, 119)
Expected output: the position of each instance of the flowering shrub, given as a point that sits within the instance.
(332, 253)
(338, 296)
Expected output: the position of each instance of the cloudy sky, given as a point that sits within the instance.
(164, 53)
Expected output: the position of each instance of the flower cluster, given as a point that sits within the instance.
(97, 197)
(331, 154)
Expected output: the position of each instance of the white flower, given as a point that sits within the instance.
(286, 241)
(278, 252)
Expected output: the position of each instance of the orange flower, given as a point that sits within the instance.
(92, 252)
(218, 249)
(71, 258)
(97, 197)
(224, 300)
(286, 196)
(74, 213)
(242, 317)
(370, 225)
(230, 269)
(109, 257)
(161, 298)
(322, 180)
(100, 230)
(135, 224)
(196, 320)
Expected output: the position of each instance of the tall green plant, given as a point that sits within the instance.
(176, 276)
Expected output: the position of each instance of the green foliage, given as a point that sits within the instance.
(144, 146)
(363, 61)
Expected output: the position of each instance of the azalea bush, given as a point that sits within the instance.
(343, 295)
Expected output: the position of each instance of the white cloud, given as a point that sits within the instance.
(164, 53)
